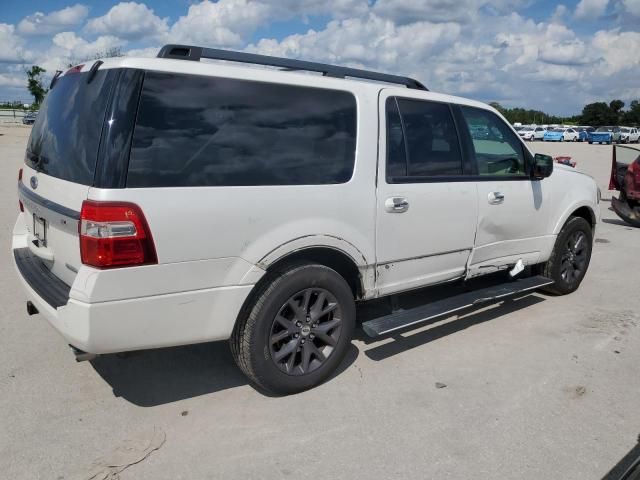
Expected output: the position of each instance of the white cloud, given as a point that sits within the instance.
(632, 7)
(591, 9)
(11, 46)
(370, 41)
(46, 24)
(221, 24)
(68, 48)
(129, 20)
(12, 80)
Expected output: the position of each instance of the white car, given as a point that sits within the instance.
(629, 135)
(538, 133)
(169, 202)
(527, 133)
(571, 135)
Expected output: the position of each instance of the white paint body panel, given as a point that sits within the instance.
(215, 243)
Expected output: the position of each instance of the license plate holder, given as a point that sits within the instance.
(40, 230)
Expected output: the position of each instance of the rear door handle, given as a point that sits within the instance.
(495, 198)
(396, 205)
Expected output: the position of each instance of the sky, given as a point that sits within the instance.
(550, 56)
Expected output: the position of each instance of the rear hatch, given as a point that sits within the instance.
(60, 164)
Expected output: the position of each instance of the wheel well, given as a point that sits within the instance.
(587, 214)
(329, 257)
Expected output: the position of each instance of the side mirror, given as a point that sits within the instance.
(542, 166)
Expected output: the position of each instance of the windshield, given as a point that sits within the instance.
(558, 130)
(625, 130)
(604, 129)
(66, 134)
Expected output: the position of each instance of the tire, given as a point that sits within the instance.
(279, 319)
(590, 143)
(561, 266)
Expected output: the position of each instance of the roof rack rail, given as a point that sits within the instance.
(188, 52)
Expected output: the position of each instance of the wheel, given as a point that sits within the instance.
(590, 143)
(570, 257)
(296, 330)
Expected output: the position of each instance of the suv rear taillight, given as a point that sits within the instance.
(115, 234)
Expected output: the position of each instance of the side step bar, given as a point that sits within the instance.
(408, 318)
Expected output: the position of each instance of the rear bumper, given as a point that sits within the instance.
(150, 322)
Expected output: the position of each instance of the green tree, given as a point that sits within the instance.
(599, 114)
(34, 83)
(632, 116)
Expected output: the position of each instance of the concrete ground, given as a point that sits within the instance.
(536, 388)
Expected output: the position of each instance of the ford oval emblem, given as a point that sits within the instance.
(34, 182)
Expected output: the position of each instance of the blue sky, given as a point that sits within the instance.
(536, 54)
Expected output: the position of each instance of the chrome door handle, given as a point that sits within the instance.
(495, 198)
(396, 205)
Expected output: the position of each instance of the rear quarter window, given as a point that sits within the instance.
(209, 131)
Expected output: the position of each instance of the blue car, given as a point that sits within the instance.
(606, 135)
(583, 133)
(554, 135)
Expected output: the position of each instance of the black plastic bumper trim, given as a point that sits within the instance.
(49, 287)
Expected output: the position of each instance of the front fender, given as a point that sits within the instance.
(567, 212)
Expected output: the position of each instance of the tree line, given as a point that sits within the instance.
(595, 114)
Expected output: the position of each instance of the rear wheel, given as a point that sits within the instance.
(297, 330)
(570, 257)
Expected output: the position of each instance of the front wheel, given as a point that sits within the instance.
(570, 257)
(297, 329)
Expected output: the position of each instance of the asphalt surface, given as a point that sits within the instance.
(537, 387)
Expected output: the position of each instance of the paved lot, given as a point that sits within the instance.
(539, 387)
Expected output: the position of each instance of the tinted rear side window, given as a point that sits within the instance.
(66, 134)
(206, 131)
(424, 133)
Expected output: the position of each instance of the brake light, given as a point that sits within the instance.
(115, 234)
(20, 175)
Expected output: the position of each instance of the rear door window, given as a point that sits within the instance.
(422, 141)
(66, 134)
(209, 131)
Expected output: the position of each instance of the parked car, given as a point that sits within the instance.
(583, 133)
(258, 206)
(538, 133)
(629, 135)
(625, 177)
(29, 118)
(606, 135)
(527, 133)
(561, 135)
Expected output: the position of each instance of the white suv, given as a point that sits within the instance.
(629, 135)
(169, 202)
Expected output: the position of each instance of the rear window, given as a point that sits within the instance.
(66, 134)
(207, 131)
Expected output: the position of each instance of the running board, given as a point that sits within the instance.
(414, 316)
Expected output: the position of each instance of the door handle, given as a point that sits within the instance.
(396, 205)
(495, 198)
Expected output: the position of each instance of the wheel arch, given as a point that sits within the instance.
(585, 211)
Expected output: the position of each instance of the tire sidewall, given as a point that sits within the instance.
(263, 314)
(572, 226)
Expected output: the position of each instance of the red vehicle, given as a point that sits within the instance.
(625, 177)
